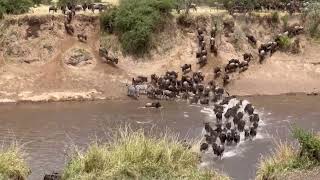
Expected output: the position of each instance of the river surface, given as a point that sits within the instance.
(47, 131)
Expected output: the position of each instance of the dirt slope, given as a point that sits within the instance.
(35, 52)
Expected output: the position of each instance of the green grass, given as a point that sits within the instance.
(133, 155)
(288, 158)
(12, 163)
(285, 42)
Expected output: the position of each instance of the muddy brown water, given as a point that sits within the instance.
(48, 130)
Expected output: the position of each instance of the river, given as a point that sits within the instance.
(47, 131)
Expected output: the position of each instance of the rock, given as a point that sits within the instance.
(79, 57)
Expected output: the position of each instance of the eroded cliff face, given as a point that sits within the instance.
(41, 62)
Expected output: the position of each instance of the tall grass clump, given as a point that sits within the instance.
(284, 42)
(288, 158)
(12, 163)
(133, 155)
(285, 20)
(135, 21)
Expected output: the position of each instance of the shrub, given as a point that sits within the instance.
(310, 144)
(15, 6)
(185, 20)
(284, 42)
(2, 11)
(108, 18)
(136, 20)
(275, 19)
(285, 20)
(133, 155)
(312, 18)
(12, 164)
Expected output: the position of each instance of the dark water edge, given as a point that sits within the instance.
(48, 130)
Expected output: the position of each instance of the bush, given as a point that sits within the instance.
(108, 18)
(275, 19)
(310, 145)
(284, 42)
(136, 20)
(312, 18)
(285, 20)
(185, 20)
(15, 6)
(132, 155)
(12, 164)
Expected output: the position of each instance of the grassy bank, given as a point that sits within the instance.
(133, 155)
(291, 160)
(12, 163)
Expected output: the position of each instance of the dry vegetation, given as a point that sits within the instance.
(293, 161)
(12, 163)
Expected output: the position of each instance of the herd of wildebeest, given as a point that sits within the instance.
(233, 116)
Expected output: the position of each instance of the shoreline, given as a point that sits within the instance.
(95, 96)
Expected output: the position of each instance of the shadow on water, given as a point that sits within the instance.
(47, 130)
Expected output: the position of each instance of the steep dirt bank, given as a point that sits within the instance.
(40, 62)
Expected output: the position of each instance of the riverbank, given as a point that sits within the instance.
(45, 64)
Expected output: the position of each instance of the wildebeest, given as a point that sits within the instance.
(247, 57)
(204, 147)
(69, 28)
(217, 72)
(82, 37)
(186, 67)
(244, 65)
(78, 8)
(202, 61)
(213, 47)
(142, 78)
(53, 176)
(111, 59)
(94, 7)
(153, 104)
(251, 39)
(226, 80)
(53, 9)
(63, 9)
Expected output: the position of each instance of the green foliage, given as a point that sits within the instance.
(275, 18)
(108, 17)
(133, 155)
(15, 6)
(284, 42)
(312, 15)
(2, 11)
(136, 20)
(310, 144)
(37, 2)
(285, 20)
(65, 2)
(12, 164)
